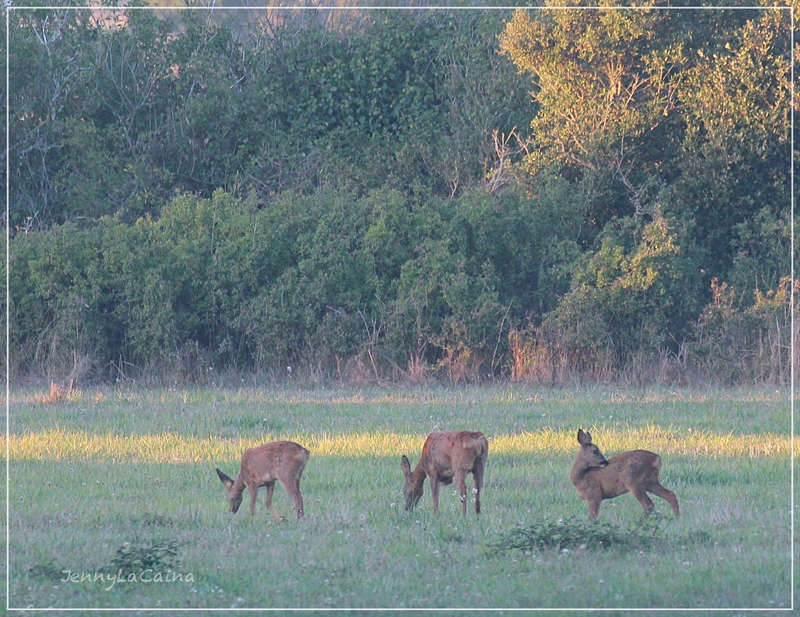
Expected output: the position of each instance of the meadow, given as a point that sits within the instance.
(122, 480)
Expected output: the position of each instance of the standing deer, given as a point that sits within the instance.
(445, 456)
(636, 471)
(283, 461)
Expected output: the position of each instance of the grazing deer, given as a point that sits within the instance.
(283, 461)
(636, 471)
(447, 456)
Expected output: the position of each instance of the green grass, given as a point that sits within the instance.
(130, 474)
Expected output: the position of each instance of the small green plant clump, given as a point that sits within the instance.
(572, 532)
(154, 556)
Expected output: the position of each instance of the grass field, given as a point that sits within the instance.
(124, 480)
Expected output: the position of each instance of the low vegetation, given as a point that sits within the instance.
(126, 481)
(576, 533)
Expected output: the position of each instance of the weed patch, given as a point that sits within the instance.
(572, 532)
(153, 556)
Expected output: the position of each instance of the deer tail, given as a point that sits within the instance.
(657, 463)
(477, 443)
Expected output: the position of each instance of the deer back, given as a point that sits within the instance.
(445, 452)
(284, 460)
(629, 470)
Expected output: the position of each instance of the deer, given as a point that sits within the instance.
(283, 461)
(447, 456)
(636, 471)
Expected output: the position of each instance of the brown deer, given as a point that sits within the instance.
(447, 456)
(636, 471)
(283, 461)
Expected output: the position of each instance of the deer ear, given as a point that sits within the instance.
(405, 465)
(225, 479)
(584, 438)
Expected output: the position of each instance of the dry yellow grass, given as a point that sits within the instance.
(175, 448)
(58, 394)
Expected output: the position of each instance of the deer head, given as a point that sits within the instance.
(413, 487)
(232, 493)
(589, 455)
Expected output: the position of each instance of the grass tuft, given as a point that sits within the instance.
(47, 571)
(153, 520)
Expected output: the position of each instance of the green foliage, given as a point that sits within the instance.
(673, 128)
(628, 296)
(763, 255)
(111, 116)
(88, 106)
(599, 80)
(376, 196)
(603, 81)
(736, 144)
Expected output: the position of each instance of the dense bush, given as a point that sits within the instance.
(306, 281)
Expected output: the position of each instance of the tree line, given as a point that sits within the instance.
(541, 195)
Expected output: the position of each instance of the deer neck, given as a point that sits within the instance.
(580, 471)
(238, 485)
(418, 475)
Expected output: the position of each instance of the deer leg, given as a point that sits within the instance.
(435, 493)
(641, 496)
(253, 490)
(667, 494)
(301, 513)
(292, 487)
(594, 508)
(270, 491)
(461, 483)
(477, 477)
